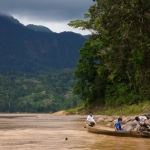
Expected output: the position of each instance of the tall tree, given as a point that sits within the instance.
(91, 74)
(122, 29)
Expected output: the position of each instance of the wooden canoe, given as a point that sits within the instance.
(112, 132)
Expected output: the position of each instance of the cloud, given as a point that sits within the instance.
(54, 14)
(53, 10)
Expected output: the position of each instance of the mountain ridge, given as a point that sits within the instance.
(39, 28)
(27, 50)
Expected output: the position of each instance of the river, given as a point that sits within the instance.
(46, 132)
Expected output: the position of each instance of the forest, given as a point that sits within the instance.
(113, 68)
(37, 92)
(114, 64)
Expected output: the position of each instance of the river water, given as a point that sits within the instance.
(43, 132)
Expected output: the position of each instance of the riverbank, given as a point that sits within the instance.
(128, 122)
(125, 110)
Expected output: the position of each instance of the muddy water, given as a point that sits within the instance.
(45, 132)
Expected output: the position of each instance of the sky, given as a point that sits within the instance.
(54, 14)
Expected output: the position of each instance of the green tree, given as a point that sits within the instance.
(122, 30)
(91, 74)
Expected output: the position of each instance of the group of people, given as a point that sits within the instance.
(140, 120)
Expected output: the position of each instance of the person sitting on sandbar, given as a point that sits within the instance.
(90, 120)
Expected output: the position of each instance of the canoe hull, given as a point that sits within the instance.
(117, 133)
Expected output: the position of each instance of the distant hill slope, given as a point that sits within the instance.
(38, 28)
(10, 18)
(22, 49)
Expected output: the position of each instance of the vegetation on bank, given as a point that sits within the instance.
(125, 110)
(37, 92)
(113, 70)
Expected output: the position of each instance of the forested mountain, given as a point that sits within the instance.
(33, 62)
(38, 28)
(26, 50)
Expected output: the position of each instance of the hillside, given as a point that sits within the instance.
(38, 28)
(23, 49)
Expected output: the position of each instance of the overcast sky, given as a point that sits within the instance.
(54, 14)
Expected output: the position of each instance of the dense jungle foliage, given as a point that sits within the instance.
(39, 92)
(114, 64)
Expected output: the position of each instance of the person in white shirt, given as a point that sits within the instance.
(90, 120)
(140, 120)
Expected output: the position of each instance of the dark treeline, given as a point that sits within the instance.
(114, 64)
(37, 92)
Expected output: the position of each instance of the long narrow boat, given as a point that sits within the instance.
(111, 131)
